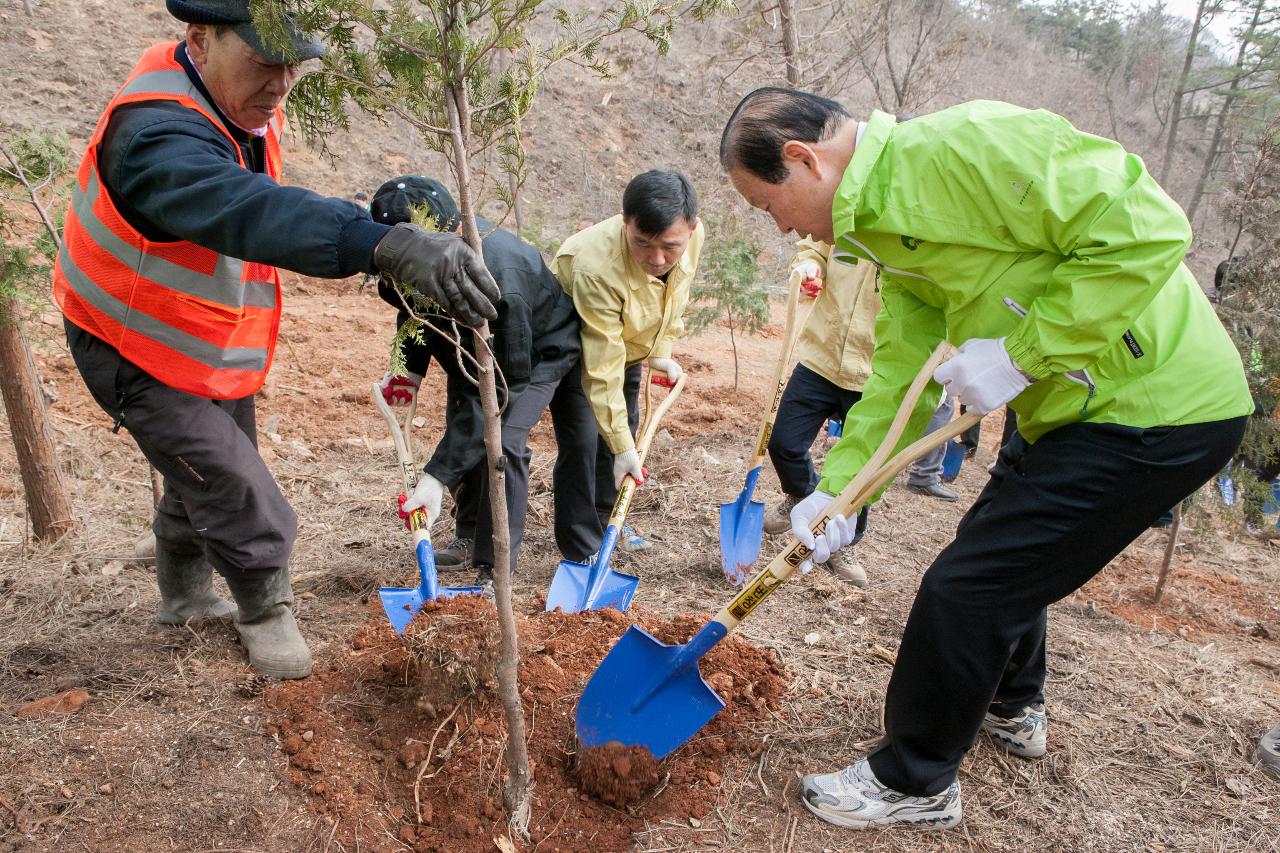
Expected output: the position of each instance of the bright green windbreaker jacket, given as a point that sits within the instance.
(987, 220)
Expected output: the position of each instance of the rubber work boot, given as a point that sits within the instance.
(266, 625)
(777, 519)
(186, 589)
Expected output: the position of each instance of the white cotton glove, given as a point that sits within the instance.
(838, 533)
(982, 376)
(668, 366)
(400, 390)
(427, 495)
(627, 462)
(810, 278)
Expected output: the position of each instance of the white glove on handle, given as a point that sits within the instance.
(427, 494)
(837, 534)
(627, 462)
(810, 278)
(982, 376)
(668, 366)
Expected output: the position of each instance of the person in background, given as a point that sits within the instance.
(834, 362)
(924, 477)
(535, 346)
(629, 278)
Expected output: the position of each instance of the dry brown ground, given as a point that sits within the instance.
(1154, 710)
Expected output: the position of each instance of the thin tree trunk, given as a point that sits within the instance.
(734, 344)
(1179, 91)
(1220, 125)
(1169, 548)
(46, 494)
(517, 209)
(517, 793)
(790, 42)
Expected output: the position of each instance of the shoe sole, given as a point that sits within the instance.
(940, 822)
(1016, 747)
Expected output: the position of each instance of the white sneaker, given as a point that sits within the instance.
(1024, 734)
(855, 798)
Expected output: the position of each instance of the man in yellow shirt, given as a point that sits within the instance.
(629, 277)
(834, 362)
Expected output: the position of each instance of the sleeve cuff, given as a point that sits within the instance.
(1026, 359)
(620, 442)
(356, 245)
(662, 349)
(449, 479)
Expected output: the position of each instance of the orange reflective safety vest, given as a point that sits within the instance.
(196, 320)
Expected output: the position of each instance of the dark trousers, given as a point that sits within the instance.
(807, 402)
(219, 497)
(577, 535)
(1052, 516)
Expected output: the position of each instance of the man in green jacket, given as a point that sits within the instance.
(1055, 262)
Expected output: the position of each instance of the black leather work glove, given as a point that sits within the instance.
(443, 268)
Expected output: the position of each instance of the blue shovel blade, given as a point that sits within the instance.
(741, 529)
(571, 586)
(621, 702)
(403, 603)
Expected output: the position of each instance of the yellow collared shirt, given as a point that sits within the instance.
(627, 315)
(839, 336)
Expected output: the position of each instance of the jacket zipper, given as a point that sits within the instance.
(883, 267)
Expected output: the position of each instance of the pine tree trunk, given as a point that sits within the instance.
(1229, 98)
(46, 493)
(790, 42)
(517, 793)
(1179, 92)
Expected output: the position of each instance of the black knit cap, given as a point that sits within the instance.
(394, 201)
(236, 15)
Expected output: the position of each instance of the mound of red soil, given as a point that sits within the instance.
(384, 746)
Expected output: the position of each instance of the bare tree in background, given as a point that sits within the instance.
(909, 50)
(1205, 11)
(1256, 57)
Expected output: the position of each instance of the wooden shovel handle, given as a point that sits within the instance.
(870, 479)
(652, 417)
(785, 352)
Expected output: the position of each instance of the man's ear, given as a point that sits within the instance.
(801, 155)
(198, 36)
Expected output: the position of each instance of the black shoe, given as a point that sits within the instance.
(484, 579)
(935, 490)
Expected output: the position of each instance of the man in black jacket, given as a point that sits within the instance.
(168, 283)
(536, 345)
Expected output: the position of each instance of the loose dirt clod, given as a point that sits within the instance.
(617, 774)
(407, 740)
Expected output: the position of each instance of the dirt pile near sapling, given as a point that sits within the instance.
(620, 775)
(401, 743)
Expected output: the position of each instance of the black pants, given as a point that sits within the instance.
(807, 402)
(1052, 516)
(577, 534)
(219, 496)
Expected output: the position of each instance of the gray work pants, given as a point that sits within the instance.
(219, 496)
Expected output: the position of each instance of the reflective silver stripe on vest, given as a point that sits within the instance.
(171, 83)
(223, 286)
(230, 358)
